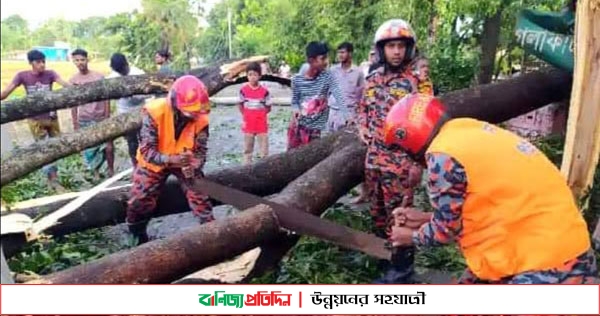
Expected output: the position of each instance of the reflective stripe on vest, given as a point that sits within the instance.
(519, 213)
(162, 114)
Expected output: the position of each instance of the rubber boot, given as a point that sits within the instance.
(401, 268)
(138, 230)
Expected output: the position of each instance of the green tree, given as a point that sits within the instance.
(56, 29)
(138, 37)
(177, 24)
(15, 33)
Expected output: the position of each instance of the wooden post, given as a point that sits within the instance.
(582, 143)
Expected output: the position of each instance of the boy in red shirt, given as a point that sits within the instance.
(255, 104)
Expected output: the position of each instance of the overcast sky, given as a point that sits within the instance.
(38, 11)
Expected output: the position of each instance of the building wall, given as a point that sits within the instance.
(54, 53)
(550, 119)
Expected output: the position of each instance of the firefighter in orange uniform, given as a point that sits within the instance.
(173, 140)
(506, 205)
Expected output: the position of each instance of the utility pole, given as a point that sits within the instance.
(229, 30)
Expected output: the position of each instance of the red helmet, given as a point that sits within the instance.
(413, 122)
(188, 94)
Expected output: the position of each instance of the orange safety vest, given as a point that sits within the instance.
(162, 113)
(519, 214)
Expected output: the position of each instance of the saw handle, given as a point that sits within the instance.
(188, 171)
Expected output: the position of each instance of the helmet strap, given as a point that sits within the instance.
(173, 99)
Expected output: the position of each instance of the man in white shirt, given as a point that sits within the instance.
(351, 80)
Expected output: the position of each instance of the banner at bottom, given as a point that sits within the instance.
(299, 299)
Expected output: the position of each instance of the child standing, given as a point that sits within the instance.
(255, 104)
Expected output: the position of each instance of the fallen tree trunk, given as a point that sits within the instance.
(264, 177)
(215, 78)
(493, 102)
(114, 88)
(498, 102)
(22, 161)
(25, 160)
(163, 261)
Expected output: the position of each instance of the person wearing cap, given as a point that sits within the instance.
(494, 193)
(390, 176)
(173, 140)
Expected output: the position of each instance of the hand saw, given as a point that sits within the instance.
(298, 221)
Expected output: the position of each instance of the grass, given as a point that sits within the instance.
(65, 69)
(52, 255)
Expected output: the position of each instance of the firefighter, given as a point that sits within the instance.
(173, 140)
(502, 200)
(390, 176)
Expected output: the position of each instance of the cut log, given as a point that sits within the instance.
(582, 142)
(215, 78)
(264, 177)
(22, 161)
(498, 102)
(166, 260)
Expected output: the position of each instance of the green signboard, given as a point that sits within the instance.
(548, 35)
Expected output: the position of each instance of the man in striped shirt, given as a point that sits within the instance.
(310, 91)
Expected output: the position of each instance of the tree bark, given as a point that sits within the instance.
(265, 177)
(493, 102)
(215, 78)
(498, 102)
(489, 44)
(433, 22)
(23, 161)
(113, 88)
(166, 260)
